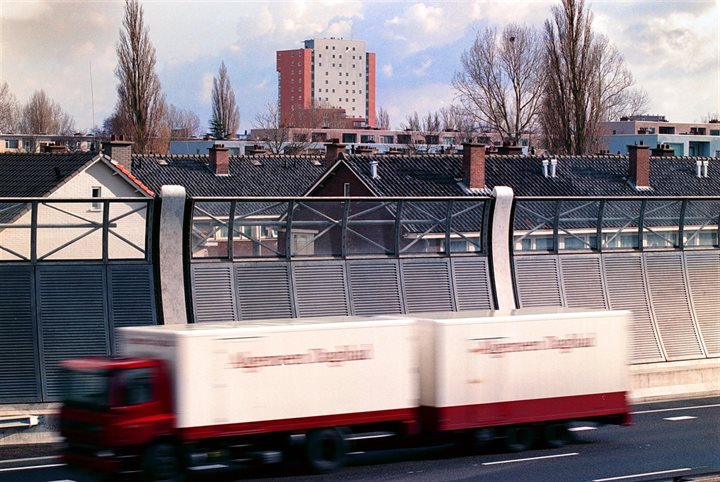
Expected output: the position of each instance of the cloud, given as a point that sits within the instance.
(668, 51)
(424, 66)
(422, 26)
(387, 70)
(206, 88)
(401, 102)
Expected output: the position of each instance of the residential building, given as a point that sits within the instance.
(35, 143)
(325, 78)
(69, 230)
(683, 138)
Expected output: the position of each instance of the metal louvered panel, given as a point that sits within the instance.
(18, 358)
(703, 270)
(626, 290)
(426, 285)
(212, 286)
(471, 279)
(263, 290)
(374, 287)
(669, 296)
(72, 318)
(132, 297)
(538, 281)
(583, 282)
(320, 288)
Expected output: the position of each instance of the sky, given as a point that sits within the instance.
(67, 48)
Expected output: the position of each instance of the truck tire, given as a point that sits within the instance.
(325, 450)
(555, 434)
(161, 462)
(519, 437)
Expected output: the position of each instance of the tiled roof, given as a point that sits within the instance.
(36, 175)
(249, 175)
(439, 175)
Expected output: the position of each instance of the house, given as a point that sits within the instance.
(59, 178)
(75, 263)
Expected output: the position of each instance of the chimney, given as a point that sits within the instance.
(219, 160)
(545, 164)
(374, 168)
(553, 167)
(474, 165)
(639, 165)
(119, 150)
(705, 166)
(333, 152)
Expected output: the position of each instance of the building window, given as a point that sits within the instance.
(11, 143)
(96, 193)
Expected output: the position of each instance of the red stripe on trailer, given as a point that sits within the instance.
(575, 407)
(407, 416)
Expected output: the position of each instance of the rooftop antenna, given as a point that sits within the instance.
(92, 97)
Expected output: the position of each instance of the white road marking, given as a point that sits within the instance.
(530, 459)
(662, 472)
(677, 419)
(676, 409)
(29, 459)
(31, 467)
(199, 468)
(581, 429)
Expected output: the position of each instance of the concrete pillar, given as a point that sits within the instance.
(172, 274)
(501, 247)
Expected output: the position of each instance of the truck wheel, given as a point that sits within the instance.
(161, 462)
(325, 450)
(555, 434)
(519, 438)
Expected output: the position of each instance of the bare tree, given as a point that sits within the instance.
(42, 115)
(420, 132)
(9, 109)
(225, 119)
(382, 119)
(501, 80)
(275, 134)
(587, 82)
(183, 123)
(458, 121)
(140, 109)
(412, 122)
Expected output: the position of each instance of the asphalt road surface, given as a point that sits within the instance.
(671, 441)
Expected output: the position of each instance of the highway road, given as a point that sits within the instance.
(668, 441)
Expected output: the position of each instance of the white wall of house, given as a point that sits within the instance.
(60, 223)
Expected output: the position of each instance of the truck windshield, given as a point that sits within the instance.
(87, 388)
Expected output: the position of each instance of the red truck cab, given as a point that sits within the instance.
(112, 409)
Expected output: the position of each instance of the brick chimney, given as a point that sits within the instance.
(474, 165)
(639, 165)
(334, 149)
(119, 150)
(219, 160)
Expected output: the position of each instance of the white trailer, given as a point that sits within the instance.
(483, 369)
(283, 375)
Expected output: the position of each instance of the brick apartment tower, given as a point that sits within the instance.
(332, 72)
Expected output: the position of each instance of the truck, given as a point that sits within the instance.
(180, 397)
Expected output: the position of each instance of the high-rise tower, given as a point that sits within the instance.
(326, 75)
